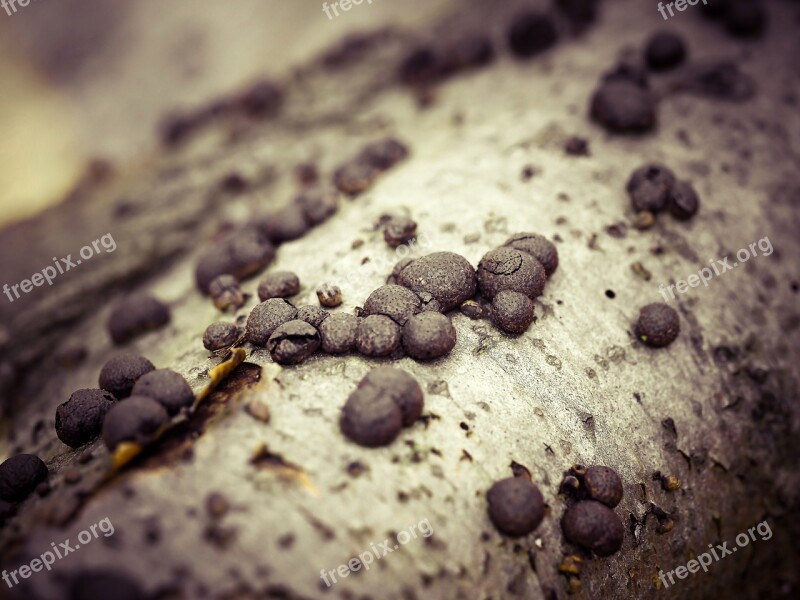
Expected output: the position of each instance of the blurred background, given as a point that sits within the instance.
(85, 79)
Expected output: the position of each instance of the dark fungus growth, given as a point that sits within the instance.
(313, 315)
(293, 342)
(220, 335)
(650, 187)
(329, 296)
(507, 268)
(318, 205)
(531, 33)
(370, 419)
(683, 201)
(357, 175)
(516, 506)
(79, 420)
(593, 526)
(745, 18)
(338, 333)
(623, 106)
(468, 51)
(242, 254)
(580, 13)
(278, 284)
(19, 476)
(136, 314)
(120, 373)
(422, 66)
(285, 224)
(603, 484)
(398, 385)
(576, 146)
(538, 246)
(395, 301)
(471, 309)
(446, 276)
(226, 293)
(664, 51)
(658, 325)
(266, 317)
(377, 336)
(102, 585)
(135, 419)
(263, 99)
(512, 311)
(399, 230)
(428, 335)
(166, 387)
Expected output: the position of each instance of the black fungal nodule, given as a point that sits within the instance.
(658, 325)
(278, 284)
(446, 276)
(516, 506)
(593, 526)
(79, 420)
(220, 335)
(135, 315)
(650, 187)
(623, 106)
(665, 51)
(603, 484)
(293, 342)
(395, 301)
(266, 317)
(377, 336)
(370, 419)
(398, 385)
(120, 373)
(512, 312)
(507, 268)
(167, 387)
(135, 419)
(531, 33)
(19, 476)
(338, 333)
(241, 254)
(428, 335)
(538, 246)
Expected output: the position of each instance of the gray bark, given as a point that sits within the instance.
(576, 388)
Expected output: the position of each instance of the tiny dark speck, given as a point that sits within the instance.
(610, 294)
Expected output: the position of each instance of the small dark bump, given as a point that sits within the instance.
(19, 476)
(329, 296)
(516, 506)
(394, 301)
(593, 526)
(377, 336)
(278, 284)
(79, 420)
(120, 373)
(531, 33)
(313, 315)
(134, 315)
(135, 420)
(220, 335)
(266, 317)
(338, 333)
(428, 335)
(513, 312)
(658, 325)
(664, 51)
(167, 387)
(507, 268)
(293, 342)
(538, 246)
